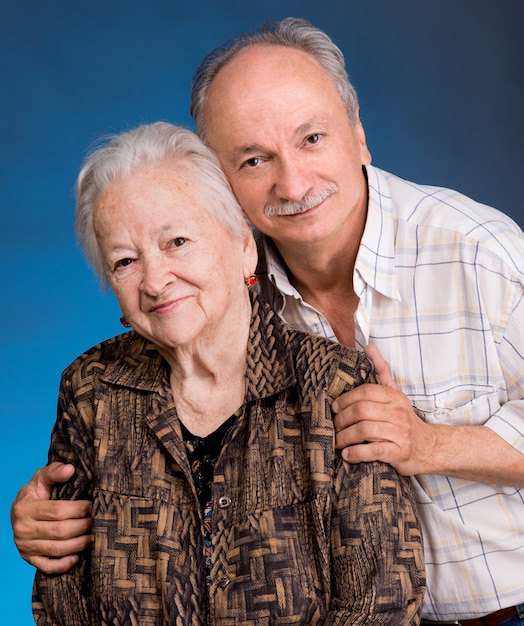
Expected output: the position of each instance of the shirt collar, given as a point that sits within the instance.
(134, 362)
(375, 264)
(275, 268)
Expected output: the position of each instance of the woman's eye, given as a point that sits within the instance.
(123, 263)
(178, 241)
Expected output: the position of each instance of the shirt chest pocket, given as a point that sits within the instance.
(467, 405)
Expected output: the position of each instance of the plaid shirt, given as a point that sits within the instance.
(298, 536)
(440, 280)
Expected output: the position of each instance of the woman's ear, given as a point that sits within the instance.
(250, 253)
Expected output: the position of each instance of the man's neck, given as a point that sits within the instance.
(323, 275)
(325, 265)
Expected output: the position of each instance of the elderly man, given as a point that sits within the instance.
(431, 281)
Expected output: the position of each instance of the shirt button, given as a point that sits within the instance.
(224, 502)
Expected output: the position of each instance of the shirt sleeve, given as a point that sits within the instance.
(62, 600)
(507, 420)
(377, 554)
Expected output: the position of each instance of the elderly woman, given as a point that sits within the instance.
(204, 436)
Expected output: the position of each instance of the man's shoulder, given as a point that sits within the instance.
(434, 205)
(453, 214)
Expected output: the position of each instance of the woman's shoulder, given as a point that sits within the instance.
(337, 367)
(128, 345)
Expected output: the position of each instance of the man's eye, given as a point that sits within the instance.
(178, 241)
(312, 139)
(253, 162)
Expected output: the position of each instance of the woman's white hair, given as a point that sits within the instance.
(125, 152)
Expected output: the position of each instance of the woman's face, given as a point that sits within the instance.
(177, 273)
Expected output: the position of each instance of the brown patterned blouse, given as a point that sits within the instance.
(298, 536)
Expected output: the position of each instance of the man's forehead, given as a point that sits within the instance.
(247, 67)
(266, 91)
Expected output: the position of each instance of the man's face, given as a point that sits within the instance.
(281, 132)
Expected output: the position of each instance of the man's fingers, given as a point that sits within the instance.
(51, 474)
(384, 374)
(68, 510)
(362, 453)
(70, 522)
(385, 451)
(55, 549)
(58, 529)
(31, 513)
(40, 486)
(60, 554)
(363, 399)
(53, 566)
(369, 431)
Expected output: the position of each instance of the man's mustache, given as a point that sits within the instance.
(294, 207)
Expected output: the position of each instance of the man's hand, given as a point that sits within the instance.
(383, 418)
(50, 533)
(378, 423)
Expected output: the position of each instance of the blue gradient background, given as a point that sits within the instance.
(441, 89)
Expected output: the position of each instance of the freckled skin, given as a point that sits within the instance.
(174, 269)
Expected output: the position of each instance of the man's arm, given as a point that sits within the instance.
(49, 534)
(383, 416)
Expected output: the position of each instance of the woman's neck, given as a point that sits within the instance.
(208, 377)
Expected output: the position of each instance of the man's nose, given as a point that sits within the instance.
(293, 180)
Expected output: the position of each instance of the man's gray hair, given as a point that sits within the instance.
(290, 32)
(124, 153)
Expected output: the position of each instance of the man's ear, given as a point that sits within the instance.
(365, 154)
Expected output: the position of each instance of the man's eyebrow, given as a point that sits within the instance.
(313, 124)
(246, 150)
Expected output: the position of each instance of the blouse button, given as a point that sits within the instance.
(224, 502)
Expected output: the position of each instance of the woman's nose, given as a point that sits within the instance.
(156, 276)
